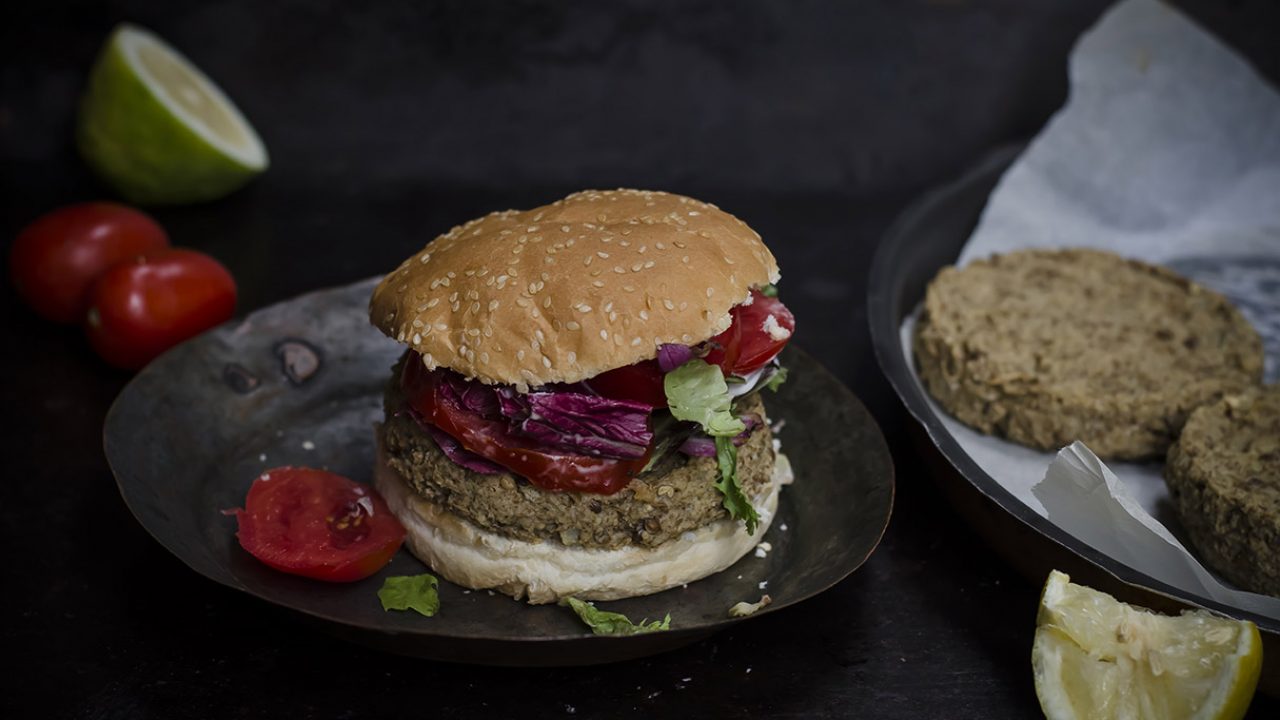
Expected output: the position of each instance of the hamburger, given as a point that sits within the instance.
(579, 411)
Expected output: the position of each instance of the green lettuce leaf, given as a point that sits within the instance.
(735, 501)
(769, 290)
(697, 392)
(411, 592)
(776, 379)
(603, 622)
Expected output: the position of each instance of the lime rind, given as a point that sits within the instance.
(145, 142)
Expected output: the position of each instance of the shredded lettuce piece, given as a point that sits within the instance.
(735, 500)
(603, 622)
(778, 377)
(411, 592)
(769, 290)
(697, 392)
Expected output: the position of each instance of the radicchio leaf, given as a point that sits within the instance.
(671, 356)
(702, 445)
(588, 424)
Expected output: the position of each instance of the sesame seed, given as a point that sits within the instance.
(417, 323)
(573, 357)
(598, 283)
(644, 314)
(522, 301)
(564, 228)
(546, 301)
(455, 306)
(629, 288)
(493, 305)
(484, 357)
(587, 261)
(679, 244)
(417, 339)
(666, 303)
(648, 264)
(473, 332)
(573, 325)
(546, 361)
(711, 291)
(582, 308)
(604, 334)
(636, 267)
(660, 246)
(607, 306)
(635, 342)
(613, 317)
(428, 359)
(619, 269)
(685, 259)
(603, 255)
(519, 355)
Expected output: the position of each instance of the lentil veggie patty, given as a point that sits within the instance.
(677, 496)
(1224, 477)
(1045, 347)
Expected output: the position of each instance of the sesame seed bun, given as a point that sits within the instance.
(566, 291)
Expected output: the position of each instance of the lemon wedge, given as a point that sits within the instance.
(158, 130)
(1096, 657)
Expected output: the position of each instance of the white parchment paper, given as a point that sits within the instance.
(1168, 150)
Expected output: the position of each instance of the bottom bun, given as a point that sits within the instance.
(546, 571)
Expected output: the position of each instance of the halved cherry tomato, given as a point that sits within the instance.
(641, 382)
(490, 439)
(139, 309)
(317, 524)
(56, 258)
(746, 346)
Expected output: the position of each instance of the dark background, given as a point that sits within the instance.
(815, 122)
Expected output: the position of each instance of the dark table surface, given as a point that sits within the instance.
(817, 123)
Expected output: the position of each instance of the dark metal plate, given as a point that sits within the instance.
(300, 383)
(928, 236)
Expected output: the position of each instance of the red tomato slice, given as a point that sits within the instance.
(641, 382)
(490, 439)
(140, 309)
(318, 525)
(746, 346)
(55, 258)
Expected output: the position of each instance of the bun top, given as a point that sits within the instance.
(566, 291)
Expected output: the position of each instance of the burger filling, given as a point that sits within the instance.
(596, 436)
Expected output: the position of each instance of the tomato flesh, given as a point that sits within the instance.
(641, 382)
(492, 440)
(141, 308)
(746, 346)
(55, 259)
(317, 524)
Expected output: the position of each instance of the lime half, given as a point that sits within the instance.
(158, 130)
(1096, 657)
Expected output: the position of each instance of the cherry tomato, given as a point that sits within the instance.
(139, 309)
(746, 346)
(317, 524)
(56, 258)
(545, 468)
(641, 382)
